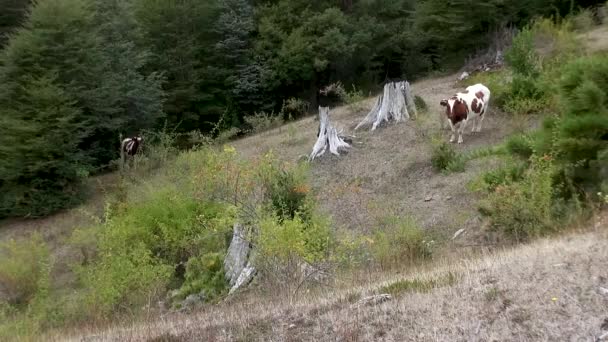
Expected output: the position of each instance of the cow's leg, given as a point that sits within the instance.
(483, 115)
(453, 128)
(461, 130)
(474, 124)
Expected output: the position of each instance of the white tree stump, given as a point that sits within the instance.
(395, 104)
(328, 137)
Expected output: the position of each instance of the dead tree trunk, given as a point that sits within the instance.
(395, 104)
(328, 137)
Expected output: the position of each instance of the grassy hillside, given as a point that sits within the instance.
(378, 219)
(548, 290)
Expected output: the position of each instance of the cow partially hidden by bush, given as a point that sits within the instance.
(469, 105)
(129, 147)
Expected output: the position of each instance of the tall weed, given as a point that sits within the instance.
(24, 265)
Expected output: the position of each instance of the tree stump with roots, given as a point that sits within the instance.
(328, 136)
(396, 103)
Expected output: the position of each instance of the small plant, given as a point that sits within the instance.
(398, 241)
(204, 276)
(492, 294)
(420, 104)
(445, 158)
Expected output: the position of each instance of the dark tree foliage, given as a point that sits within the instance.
(70, 85)
(12, 16)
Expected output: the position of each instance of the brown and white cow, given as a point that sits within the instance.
(469, 105)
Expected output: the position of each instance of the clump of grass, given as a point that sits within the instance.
(444, 157)
(420, 104)
(400, 240)
(420, 285)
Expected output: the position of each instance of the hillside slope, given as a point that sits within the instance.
(389, 171)
(550, 290)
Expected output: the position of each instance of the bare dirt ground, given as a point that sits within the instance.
(550, 290)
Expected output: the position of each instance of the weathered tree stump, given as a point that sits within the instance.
(327, 137)
(395, 103)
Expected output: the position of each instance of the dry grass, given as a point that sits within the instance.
(545, 291)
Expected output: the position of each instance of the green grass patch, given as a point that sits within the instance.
(418, 285)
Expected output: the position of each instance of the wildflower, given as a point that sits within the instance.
(554, 299)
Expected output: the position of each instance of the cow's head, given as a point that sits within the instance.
(455, 108)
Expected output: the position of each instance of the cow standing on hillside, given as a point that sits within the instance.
(469, 105)
(129, 147)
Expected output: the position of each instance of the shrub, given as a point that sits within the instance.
(519, 145)
(521, 56)
(123, 279)
(399, 240)
(525, 96)
(292, 252)
(525, 208)
(445, 158)
(141, 248)
(512, 172)
(262, 121)
(288, 190)
(294, 108)
(24, 264)
(204, 276)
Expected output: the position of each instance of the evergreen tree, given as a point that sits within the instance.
(180, 36)
(41, 166)
(131, 100)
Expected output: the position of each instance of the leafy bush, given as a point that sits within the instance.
(140, 248)
(523, 209)
(398, 241)
(124, 279)
(24, 264)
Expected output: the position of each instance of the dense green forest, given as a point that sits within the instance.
(76, 74)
